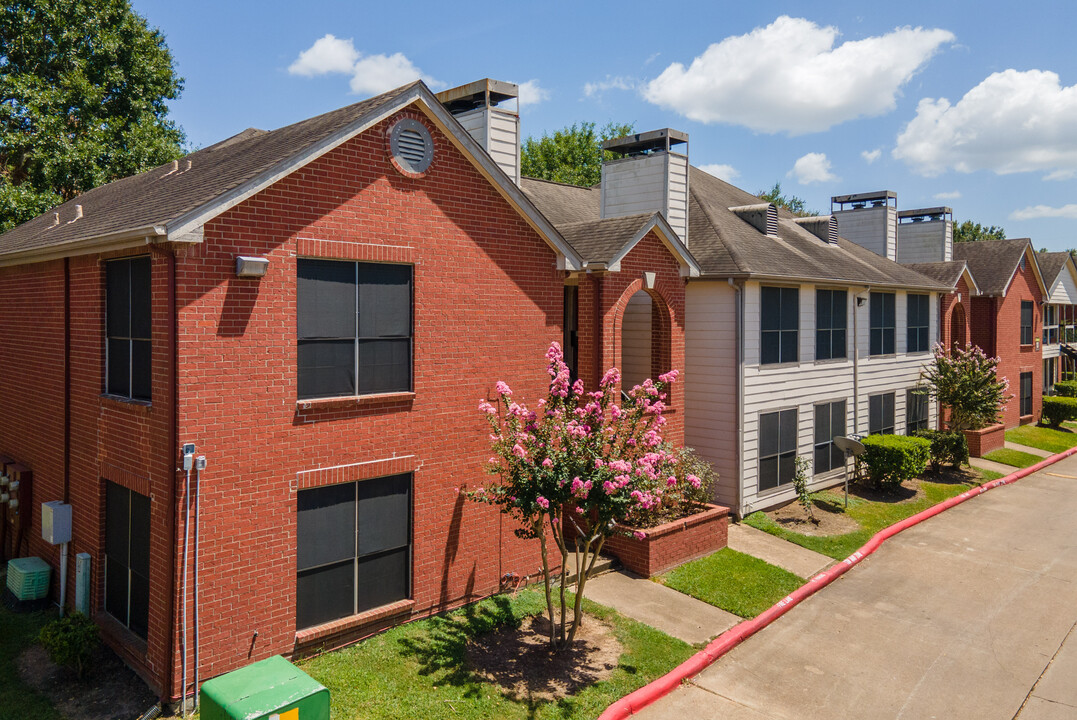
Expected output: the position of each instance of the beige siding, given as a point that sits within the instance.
(804, 384)
(498, 132)
(927, 241)
(648, 183)
(710, 382)
(1064, 290)
(676, 210)
(636, 341)
(871, 228)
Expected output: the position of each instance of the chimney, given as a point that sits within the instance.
(824, 227)
(495, 128)
(647, 177)
(926, 235)
(869, 220)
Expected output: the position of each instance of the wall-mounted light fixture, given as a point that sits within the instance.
(251, 267)
(860, 301)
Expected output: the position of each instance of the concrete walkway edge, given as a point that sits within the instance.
(648, 694)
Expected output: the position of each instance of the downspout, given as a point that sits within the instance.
(856, 361)
(173, 381)
(67, 384)
(738, 309)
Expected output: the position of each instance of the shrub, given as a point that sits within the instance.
(800, 485)
(70, 641)
(1066, 388)
(947, 446)
(889, 460)
(1057, 410)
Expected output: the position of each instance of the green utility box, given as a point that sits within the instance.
(272, 689)
(28, 578)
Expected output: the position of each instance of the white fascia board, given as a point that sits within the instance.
(421, 96)
(122, 240)
(687, 262)
(974, 288)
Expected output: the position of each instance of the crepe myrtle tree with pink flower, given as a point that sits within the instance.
(580, 466)
(965, 381)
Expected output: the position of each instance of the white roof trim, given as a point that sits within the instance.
(668, 236)
(429, 105)
(1031, 254)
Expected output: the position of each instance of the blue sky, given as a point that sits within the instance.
(966, 104)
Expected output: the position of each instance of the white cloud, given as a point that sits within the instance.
(953, 195)
(812, 168)
(610, 83)
(789, 76)
(1034, 212)
(379, 73)
(871, 156)
(1061, 175)
(1011, 122)
(532, 94)
(721, 171)
(329, 54)
(371, 74)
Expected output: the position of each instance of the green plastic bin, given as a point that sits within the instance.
(271, 689)
(28, 578)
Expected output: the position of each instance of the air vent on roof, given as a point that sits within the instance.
(762, 216)
(824, 227)
(411, 146)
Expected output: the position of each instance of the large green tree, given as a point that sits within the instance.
(969, 231)
(83, 92)
(571, 155)
(790, 202)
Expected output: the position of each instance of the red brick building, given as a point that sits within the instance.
(318, 310)
(1006, 318)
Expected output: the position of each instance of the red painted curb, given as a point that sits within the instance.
(636, 701)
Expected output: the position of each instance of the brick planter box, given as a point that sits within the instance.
(984, 440)
(672, 544)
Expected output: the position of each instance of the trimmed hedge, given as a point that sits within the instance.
(889, 460)
(947, 446)
(1057, 410)
(1066, 388)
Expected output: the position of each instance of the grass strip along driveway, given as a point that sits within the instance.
(1044, 438)
(1017, 458)
(872, 516)
(420, 670)
(735, 582)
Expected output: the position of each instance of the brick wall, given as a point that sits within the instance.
(1017, 358)
(487, 303)
(672, 544)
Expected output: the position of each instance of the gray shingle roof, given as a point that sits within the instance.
(992, 262)
(723, 243)
(947, 273)
(597, 241)
(1051, 265)
(160, 196)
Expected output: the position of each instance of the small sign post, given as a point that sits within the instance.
(852, 447)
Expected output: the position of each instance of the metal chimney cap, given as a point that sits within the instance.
(648, 141)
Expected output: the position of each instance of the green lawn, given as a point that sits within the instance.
(735, 582)
(1017, 458)
(872, 516)
(17, 632)
(419, 670)
(1044, 438)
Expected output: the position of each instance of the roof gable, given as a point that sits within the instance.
(994, 263)
(172, 202)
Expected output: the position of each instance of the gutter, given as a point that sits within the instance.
(120, 240)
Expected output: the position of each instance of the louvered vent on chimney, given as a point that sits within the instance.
(762, 216)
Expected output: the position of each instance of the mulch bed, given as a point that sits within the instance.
(109, 690)
(829, 518)
(520, 662)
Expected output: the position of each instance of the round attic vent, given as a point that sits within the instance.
(411, 146)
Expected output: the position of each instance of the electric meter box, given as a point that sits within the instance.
(272, 689)
(56, 522)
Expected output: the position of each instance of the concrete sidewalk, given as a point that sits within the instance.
(970, 614)
(786, 555)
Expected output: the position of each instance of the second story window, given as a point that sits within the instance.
(830, 324)
(354, 326)
(883, 318)
(780, 323)
(918, 315)
(1050, 324)
(128, 327)
(1026, 322)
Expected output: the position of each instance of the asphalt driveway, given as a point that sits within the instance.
(970, 614)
